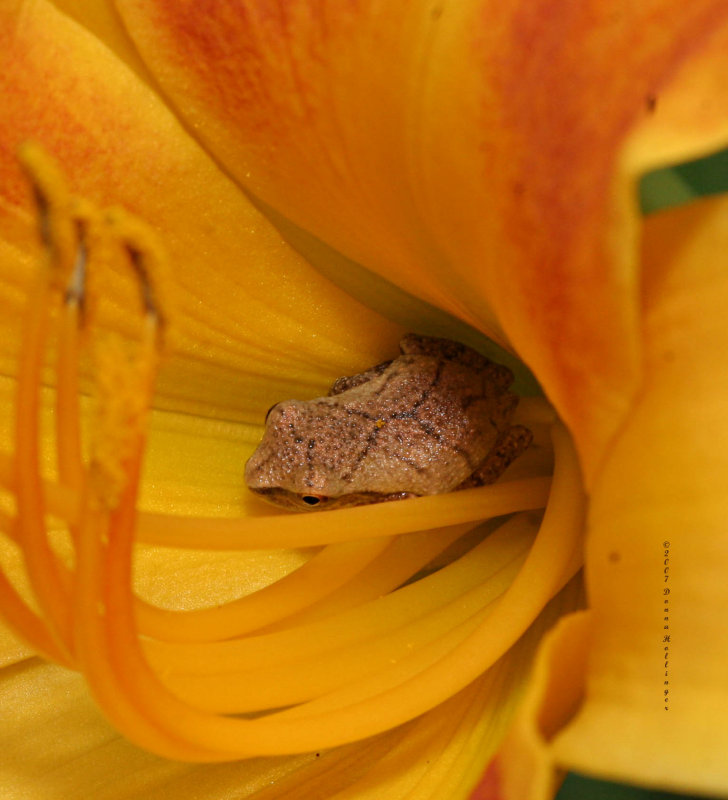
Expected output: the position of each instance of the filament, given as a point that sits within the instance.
(404, 605)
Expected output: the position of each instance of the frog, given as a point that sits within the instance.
(435, 419)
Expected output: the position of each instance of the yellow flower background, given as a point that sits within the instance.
(463, 169)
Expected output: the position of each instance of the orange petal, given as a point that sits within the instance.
(635, 691)
(102, 20)
(54, 738)
(657, 555)
(247, 304)
(468, 152)
(524, 768)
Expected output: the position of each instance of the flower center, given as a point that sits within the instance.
(402, 606)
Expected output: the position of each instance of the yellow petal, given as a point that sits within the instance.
(657, 524)
(283, 320)
(470, 152)
(56, 743)
(635, 691)
(101, 19)
(248, 305)
(524, 767)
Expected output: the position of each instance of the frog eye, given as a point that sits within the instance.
(313, 499)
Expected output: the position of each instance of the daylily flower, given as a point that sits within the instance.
(480, 158)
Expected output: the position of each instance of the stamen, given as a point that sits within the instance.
(551, 562)
(58, 232)
(94, 630)
(60, 501)
(363, 707)
(406, 556)
(27, 623)
(327, 571)
(123, 388)
(76, 288)
(352, 643)
(7, 525)
(282, 530)
(55, 212)
(68, 408)
(308, 661)
(124, 384)
(125, 371)
(149, 261)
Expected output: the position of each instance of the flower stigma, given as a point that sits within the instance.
(401, 606)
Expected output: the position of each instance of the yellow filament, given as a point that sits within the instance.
(321, 575)
(363, 623)
(121, 400)
(274, 530)
(55, 205)
(61, 501)
(283, 530)
(148, 259)
(94, 629)
(369, 705)
(386, 633)
(68, 412)
(34, 630)
(354, 642)
(261, 608)
(402, 559)
(312, 584)
(52, 635)
(42, 565)
(8, 525)
(551, 562)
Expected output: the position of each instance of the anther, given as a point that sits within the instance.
(76, 287)
(147, 259)
(148, 302)
(55, 222)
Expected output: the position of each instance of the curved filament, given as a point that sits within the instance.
(404, 605)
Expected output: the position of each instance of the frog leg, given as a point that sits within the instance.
(509, 445)
(349, 382)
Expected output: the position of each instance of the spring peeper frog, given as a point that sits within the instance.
(433, 420)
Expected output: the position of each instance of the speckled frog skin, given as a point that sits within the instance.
(433, 420)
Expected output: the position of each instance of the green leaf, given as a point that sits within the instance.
(683, 183)
(579, 787)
